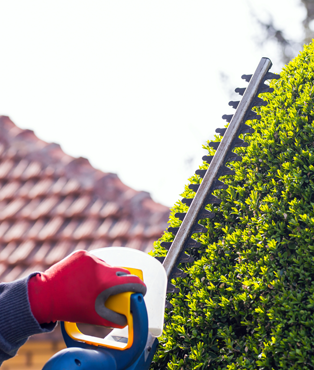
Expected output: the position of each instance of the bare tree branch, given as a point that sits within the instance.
(288, 47)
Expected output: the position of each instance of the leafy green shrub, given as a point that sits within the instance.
(248, 300)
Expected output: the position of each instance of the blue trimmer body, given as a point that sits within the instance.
(81, 356)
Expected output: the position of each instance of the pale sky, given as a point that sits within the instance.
(134, 86)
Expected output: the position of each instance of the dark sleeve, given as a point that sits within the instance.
(17, 322)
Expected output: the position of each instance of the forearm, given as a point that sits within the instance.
(17, 322)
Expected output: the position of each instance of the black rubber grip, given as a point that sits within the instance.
(101, 299)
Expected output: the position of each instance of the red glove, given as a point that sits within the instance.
(76, 288)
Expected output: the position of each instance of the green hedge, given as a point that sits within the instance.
(248, 300)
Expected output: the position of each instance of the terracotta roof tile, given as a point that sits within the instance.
(18, 170)
(3, 268)
(41, 253)
(4, 226)
(58, 252)
(35, 229)
(25, 188)
(58, 185)
(96, 207)
(72, 186)
(28, 211)
(5, 167)
(120, 229)
(10, 209)
(41, 188)
(137, 229)
(109, 209)
(103, 229)
(99, 243)
(13, 130)
(16, 232)
(50, 229)
(45, 207)
(62, 207)
(48, 171)
(134, 243)
(78, 206)
(10, 153)
(82, 244)
(118, 243)
(21, 252)
(33, 170)
(52, 204)
(7, 251)
(8, 190)
(150, 231)
(86, 229)
(13, 273)
(69, 229)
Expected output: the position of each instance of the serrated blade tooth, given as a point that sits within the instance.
(258, 102)
(180, 215)
(198, 228)
(173, 230)
(185, 258)
(245, 129)
(177, 273)
(205, 214)
(200, 173)
(240, 90)
(271, 76)
(252, 115)
(214, 144)
(160, 259)
(226, 171)
(227, 117)
(221, 131)
(168, 305)
(231, 157)
(247, 78)
(239, 143)
(263, 88)
(207, 158)
(172, 289)
(194, 187)
(234, 104)
(219, 185)
(186, 201)
(191, 243)
(166, 245)
(211, 199)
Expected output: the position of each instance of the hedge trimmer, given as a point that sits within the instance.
(140, 343)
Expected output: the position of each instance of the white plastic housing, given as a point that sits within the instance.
(155, 279)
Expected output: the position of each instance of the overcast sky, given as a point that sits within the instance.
(134, 86)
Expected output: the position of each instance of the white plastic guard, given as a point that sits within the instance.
(155, 279)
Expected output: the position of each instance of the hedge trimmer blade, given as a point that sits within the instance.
(217, 167)
(230, 139)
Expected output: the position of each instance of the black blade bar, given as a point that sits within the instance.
(213, 171)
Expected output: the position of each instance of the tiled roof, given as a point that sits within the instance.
(52, 204)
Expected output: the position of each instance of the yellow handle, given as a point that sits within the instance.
(120, 303)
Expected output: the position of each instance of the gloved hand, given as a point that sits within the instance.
(76, 288)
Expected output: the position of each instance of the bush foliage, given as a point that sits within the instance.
(248, 299)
